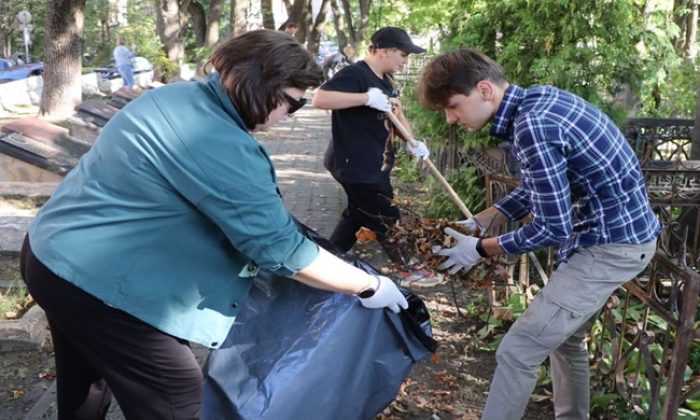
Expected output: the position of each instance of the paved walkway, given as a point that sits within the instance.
(296, 146)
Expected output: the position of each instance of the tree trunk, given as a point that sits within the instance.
(216, 9)
(169, 28)
(692, 30)
(348, 23)
(199, 22)
(308, 22)
(315, 36)
(298, 15)
(681, 21)
(239, 16)
(364, 20)
(338, 24)
(695, 145)
(62, 58)
(288, 6)
(268, 17)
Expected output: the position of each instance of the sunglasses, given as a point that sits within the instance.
(294, 104)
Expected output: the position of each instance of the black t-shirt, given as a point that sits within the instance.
(361, 150)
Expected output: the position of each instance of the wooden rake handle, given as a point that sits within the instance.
(453, 195)
(436, 173)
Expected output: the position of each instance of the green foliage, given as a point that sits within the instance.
(9, 29)
(417, 16)
(98, 42)
(464, 181)
(675, 95)
(141, 32)
(589, 48)
(166, 67)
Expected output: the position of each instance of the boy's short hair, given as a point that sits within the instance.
(456, 72)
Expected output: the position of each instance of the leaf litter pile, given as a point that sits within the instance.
(423, 238)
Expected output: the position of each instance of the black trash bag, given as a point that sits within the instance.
(296, 352)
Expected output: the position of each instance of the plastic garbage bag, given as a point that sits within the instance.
(296, 352)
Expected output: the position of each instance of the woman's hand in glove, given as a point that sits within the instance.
(382, 293)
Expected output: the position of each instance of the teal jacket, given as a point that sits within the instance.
(171, 213)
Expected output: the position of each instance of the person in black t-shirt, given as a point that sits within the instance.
(361, 153)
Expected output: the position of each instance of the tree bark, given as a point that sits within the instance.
(216, 9)
(338, 24)
(695, 145)
(199, 22)
(692, 30)
(315, 36)
(62, 58)
(239, 16)
(681, 21)
(268, 17)
(364, 20)
(349, 24)
(169, 29)
(288, 6)
(298, 15)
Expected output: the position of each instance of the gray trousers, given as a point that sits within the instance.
(555, 325)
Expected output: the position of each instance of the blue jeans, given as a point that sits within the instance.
(127, 73)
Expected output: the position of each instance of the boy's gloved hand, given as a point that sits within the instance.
(471, 225)
(461, 256)
(420, 151)
(378, 100)
(382, 293)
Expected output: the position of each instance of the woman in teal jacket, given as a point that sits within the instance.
(153, 240)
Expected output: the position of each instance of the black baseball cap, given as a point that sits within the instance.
(392, 37)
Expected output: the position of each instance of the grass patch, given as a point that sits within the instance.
(14, 299)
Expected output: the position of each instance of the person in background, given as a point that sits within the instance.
(154, 239)
(583, 186)
(289, 27)
(335, 62)
(361, 153)
(124, 62)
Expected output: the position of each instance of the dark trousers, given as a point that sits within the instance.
(369, 206)
(101, 350)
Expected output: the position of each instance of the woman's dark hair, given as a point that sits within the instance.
(255, 66)
(456, 72)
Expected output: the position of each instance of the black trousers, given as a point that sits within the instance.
(101, 350)
(369, 206)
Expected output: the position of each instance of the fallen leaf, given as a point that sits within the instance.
(365, 235)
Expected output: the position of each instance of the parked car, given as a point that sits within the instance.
(6, 63)
(141, 65)
(21, 71)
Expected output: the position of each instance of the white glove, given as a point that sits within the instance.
(461, 256)
(420, 151)
(386, 295)
(378, 100)
(471, 225)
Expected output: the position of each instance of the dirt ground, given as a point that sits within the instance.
(454, 383)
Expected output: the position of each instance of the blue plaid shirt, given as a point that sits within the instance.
(581, 180)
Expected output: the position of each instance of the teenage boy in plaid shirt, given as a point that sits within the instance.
(583, 186)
